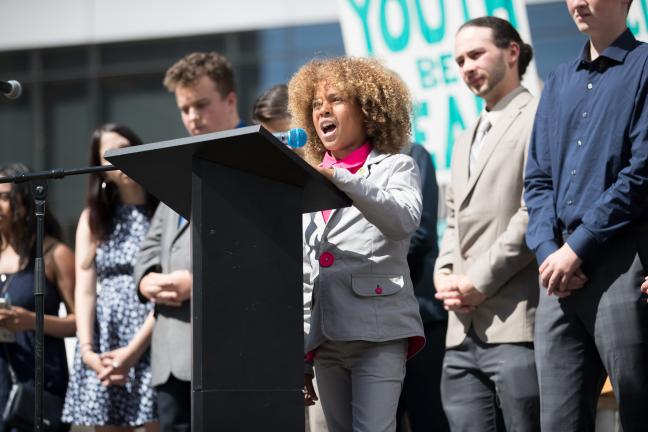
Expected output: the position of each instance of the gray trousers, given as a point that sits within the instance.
(486, 387)
(603, 326)
(360, 383)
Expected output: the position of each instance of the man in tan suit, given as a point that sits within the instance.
(485, 274)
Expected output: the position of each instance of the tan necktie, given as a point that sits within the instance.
(478, 142)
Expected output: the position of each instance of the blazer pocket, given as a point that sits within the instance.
(376, 285)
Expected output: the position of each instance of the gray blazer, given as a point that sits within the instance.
(165, 249)
(487, 222)
(364, 291)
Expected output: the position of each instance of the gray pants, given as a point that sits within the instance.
(603, 326)
(484, 385)
(360, 383)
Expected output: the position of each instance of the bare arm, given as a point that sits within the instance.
(59, 266)
(118, 362)
(85, 294)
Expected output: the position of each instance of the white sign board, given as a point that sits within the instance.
(638, 19)
(415, 38)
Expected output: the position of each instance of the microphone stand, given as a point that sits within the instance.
(39, 191)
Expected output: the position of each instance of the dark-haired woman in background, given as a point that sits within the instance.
(17, 242)
(110, 386)
(271, 109)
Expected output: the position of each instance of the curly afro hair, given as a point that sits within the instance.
(380, 93)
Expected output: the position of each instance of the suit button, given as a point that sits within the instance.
(326, 259)
(378, 290)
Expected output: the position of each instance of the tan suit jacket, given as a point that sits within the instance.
(487, 222)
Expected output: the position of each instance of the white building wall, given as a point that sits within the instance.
(49, 23)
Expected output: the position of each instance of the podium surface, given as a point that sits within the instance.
(244, 193)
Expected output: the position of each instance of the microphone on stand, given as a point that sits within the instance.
(11, 89)
(294, 138)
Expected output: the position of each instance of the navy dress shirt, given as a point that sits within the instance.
(587, 173)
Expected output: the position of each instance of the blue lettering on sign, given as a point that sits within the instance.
(635, 26)
(431, 35)
(363, 13)
(433, 71)
(455, 120)
(493, 5)
(420, 111)
(399, 42)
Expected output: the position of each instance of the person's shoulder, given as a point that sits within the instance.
(529, 102)
(418, 151)
(399, 162)
(84, 218)
(640, 47)
(164, 211)
(57, 249)
(560, 73)
(639, 53)
(398, 158)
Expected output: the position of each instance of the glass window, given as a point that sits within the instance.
(143, 104)
(14, 62)
(16, 130)
(68, 125)
(65, 58)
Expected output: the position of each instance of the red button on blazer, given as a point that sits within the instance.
(326, 259)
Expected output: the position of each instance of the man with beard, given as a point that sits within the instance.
(485, 274)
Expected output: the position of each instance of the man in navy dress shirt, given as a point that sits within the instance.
(587, 194)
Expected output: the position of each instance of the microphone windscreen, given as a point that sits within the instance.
(297, 138)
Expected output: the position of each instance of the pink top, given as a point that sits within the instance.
(352, 163)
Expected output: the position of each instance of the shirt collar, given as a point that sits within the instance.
(617, 51)
(352, 161)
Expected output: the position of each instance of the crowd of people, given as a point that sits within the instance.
(536, 293)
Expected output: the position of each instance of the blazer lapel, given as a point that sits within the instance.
(179, 229)
(462, 153)
(493, 138)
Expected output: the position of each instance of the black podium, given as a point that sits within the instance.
(244, 193)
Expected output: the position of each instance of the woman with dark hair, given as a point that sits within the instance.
(271, 109)
(17, 317)
(110, 386)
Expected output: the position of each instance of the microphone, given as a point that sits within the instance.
(11, 89)
(295, 137)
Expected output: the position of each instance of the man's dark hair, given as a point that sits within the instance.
(503, 34)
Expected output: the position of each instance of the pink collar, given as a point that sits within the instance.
(352, 162)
